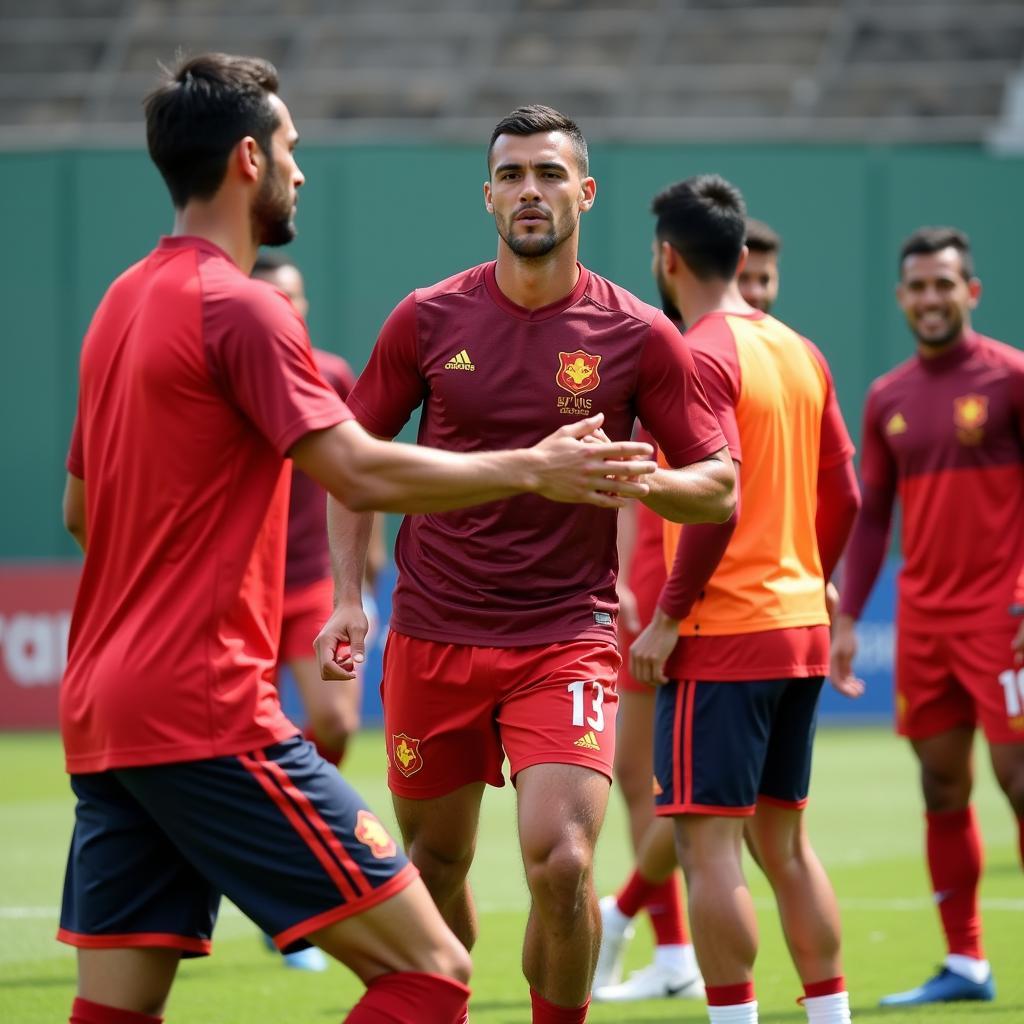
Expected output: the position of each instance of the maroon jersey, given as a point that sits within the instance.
(195, 380)
(492, 375)
(309, 556)
(947, 435)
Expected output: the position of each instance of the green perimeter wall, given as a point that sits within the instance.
(377, 221)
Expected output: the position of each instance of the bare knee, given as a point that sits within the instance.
(443, 865)
(333, 727)
(558, 874)
(945, 787)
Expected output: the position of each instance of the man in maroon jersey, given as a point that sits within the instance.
(944, 431)
(503, 625)
(196, 383)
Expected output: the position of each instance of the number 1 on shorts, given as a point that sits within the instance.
(1013, 687)
(576, 689)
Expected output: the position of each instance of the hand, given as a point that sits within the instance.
(651, 649)
(1017, 645)
(844, 650)
(831, 601)
(629, 611)
(576, 470)
(341, 645)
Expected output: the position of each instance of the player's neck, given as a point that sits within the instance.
(231, 233)
(935, 351)
(539, 281)
(699, 298)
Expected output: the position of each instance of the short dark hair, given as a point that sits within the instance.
(703, 219)
(761, 237)
(928, 240)
(536, 118)
(268, 263)
(200, 111)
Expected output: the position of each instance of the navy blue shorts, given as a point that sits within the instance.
(720, 747)
(277, 831)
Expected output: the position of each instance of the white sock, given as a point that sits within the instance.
(969, 968)
(738, 1013)
(833, 1009)
(614, 918)
(678, 959)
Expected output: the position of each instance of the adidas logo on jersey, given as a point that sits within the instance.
(460, 361)
(588, 742)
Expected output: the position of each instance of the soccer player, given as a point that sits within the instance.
(196, 382)
(759, 275)
(502, 635)
(944, 431)
(332, 707)
(738, 643)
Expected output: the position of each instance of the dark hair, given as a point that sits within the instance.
(536, 118)
(925, 241)
(703, 219)
(762, 238)
(200, 111)
(268, 263)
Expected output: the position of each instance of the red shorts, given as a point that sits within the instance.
(453, 712)
(948, 680)
(306, 609)
(646, 581)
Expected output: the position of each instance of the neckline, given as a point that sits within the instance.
(543, 312)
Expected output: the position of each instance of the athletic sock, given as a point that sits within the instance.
(332, 755)
(954, 861)
(668, 919)
(681, 959)
(967, 967)
(547, 1013)
(85, 1012)
(634, 894)
(732, 1004)
(407, 997)
(827, 1002)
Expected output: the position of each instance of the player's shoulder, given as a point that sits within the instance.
(1000, 353)
(233, 297)
(896, 379)
(463, 283)
(615, 299)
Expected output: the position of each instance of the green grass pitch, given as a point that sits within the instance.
(864, 817)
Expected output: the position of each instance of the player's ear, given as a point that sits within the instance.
(248, 158)
(488, 205)
(588, 193)
(973, 292)
(742, 262)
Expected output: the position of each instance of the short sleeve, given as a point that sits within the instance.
(670, 400)
(392, 386)
(75, 461)
(258, 351)
(836, 446)
(877, 466)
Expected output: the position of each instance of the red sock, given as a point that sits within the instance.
(333, 755)
(635, 894)
(665, 905)
(409, 998)
(547, 1013)
(730, 995)
(954, 860)
(84, 1012)
(828, 987)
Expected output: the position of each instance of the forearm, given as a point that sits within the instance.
(349, 535)
(703, 492)
(866, 552)
(838, 502)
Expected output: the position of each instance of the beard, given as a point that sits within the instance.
(273, 211)
(535, 246)
(956, 325)
(668, 306)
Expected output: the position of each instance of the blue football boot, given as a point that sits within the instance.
(945, 987)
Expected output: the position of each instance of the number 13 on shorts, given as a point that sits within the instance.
(577, 690)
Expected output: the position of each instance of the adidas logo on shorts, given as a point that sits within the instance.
(587, 742)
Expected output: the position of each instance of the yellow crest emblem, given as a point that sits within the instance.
(406, 754)
(371, 833)
(970, 414)
(577, 372)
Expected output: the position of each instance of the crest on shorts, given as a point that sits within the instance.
(405, 752)
(577, 372)
(370, 832)
(970, 414)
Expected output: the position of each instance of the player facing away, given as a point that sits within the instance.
(674, 972)
(738, 643)
(196, 382)
(332, 708)
(502, 637)
(944, 433)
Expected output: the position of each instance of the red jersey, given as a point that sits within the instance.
(309, 556)
(493, 375)
(195, 380)
(946, 435)
(762, 613)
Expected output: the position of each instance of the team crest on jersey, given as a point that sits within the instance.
(970, 414)
(370, 832)
(406, 754)
(577, 372)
